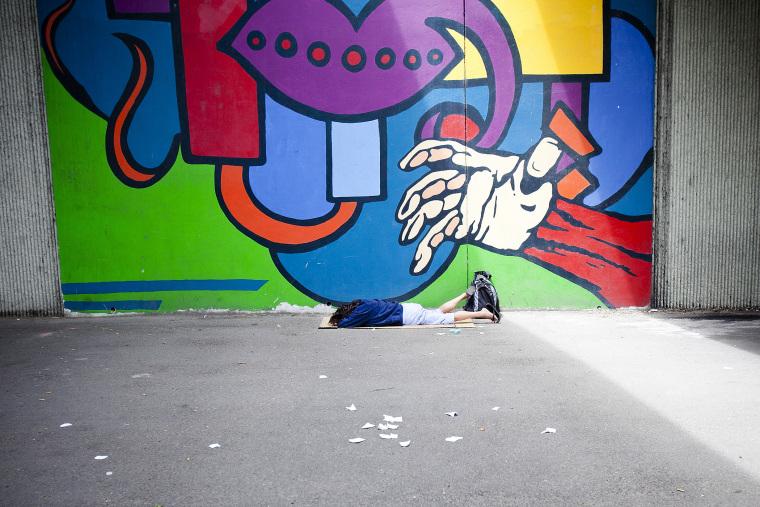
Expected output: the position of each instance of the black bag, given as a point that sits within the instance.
(482, 294)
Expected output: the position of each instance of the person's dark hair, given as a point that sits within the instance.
(343, 311)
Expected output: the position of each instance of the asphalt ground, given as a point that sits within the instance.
(649, 408)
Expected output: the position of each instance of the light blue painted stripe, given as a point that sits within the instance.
(88, 306)
(160, 285)
(356, 159)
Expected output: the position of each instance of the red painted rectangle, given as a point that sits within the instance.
(222, 103)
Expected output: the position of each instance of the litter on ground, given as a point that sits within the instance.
(451, 414)
(549, 430)
(214, 446)
(405, 443)
(453, 439)
(351, 408)
(355, 440)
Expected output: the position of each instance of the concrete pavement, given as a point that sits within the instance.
(650, 408)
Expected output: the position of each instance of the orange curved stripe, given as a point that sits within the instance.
(119, 132)
(249, 216)
(49, 24)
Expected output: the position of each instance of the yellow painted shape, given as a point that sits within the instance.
(557, 37)
(473, 62)
(554, 37)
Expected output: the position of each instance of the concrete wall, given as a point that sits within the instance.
(30, 282)
(707, 231)
(205, 154)
(192, 175)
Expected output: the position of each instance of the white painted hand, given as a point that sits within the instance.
(491, 209)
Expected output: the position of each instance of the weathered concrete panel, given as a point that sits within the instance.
(29, 271)
(707, 204)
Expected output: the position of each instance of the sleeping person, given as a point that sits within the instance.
(375, 313)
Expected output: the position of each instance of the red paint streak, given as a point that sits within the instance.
(633, 236)
(253, 219)
(611, 254)
(49, 30)
(120, 124)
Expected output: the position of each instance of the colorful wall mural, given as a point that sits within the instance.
(242, 154)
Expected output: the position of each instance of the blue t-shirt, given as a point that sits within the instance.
(374, 313)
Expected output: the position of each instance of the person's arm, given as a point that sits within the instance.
(359, 316)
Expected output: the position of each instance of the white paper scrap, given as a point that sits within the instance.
(351, 408)
(109, 473)
(495, 408)
(451, 414)
(386, 436)
(405, 443)
(367, 426)
(390, 418)
(549, 430)
(323, 376)
(391, 426)
(64, 425)
(382, 427)
(214, 446)
(101, 457)
(454, 439)
(355, 440)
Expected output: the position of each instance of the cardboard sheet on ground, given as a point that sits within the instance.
(325, 324)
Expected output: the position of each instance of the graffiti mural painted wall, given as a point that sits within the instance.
(242, 154)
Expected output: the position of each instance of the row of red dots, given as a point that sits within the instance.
(353, 59)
